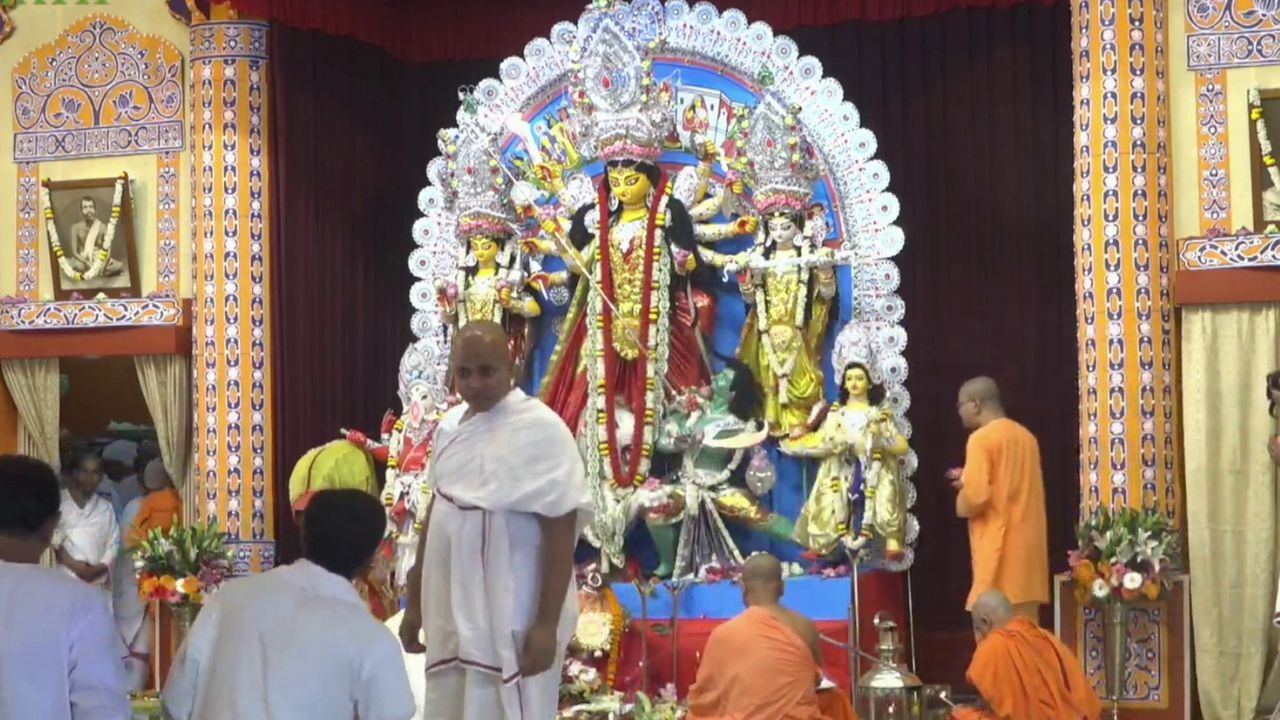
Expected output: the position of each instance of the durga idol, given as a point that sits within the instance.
(631, 333)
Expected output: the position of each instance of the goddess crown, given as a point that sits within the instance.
(477, 189)
(617, 112)
(781, 164)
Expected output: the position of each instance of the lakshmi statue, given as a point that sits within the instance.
(491, 282)
(711, 434)
(859, 446)
(787, 278)
(631, 332)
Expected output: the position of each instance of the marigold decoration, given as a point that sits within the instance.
(181, 565)
(101, 254)
(1124, 555)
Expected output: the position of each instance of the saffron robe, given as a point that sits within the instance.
(494, 475)
(1025, 673)
(159, 510)
(755, 667)
(1003, 492)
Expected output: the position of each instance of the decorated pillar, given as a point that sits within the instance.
(231, 372)
(1124, 305)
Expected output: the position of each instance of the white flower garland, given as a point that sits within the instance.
(1264, 142)
(101, 255)
(610, 528)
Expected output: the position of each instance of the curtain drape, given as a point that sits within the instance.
(33, 385)
(349, 158)
(166, 388)
(447, 31)
(1227, 350)
(970, 113)
(968, 108)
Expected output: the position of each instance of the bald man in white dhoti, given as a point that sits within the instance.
(492, 586)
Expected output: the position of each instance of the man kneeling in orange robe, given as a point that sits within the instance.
(766, 662)
(1023, 672)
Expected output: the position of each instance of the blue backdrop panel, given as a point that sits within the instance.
(814, 597)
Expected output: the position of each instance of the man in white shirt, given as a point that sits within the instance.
(297, 642)
(87, 537)
(493, 581)
(60, 655)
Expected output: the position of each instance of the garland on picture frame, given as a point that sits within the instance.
(1258, 117)
(101, 254)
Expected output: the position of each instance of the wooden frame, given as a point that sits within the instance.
(67, 197)
(1260, 182)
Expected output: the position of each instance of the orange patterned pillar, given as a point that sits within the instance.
(1123, 255)
(231, 372)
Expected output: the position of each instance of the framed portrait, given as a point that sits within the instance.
(89, 228)
(1266, 194)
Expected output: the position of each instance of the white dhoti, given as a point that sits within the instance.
(134, 622)
(494, 476)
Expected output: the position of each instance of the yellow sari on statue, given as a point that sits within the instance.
(780, 344)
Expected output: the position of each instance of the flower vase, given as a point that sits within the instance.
(1115, 641)
(184, 616)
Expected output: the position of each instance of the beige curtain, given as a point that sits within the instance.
(166, 387)
(1227, 350)
(33, 385)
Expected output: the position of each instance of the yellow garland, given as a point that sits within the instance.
(615, 647)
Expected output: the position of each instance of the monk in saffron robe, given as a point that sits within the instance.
(160, 509)
(1023, 672)
(1001, 493)
(766, 662)
(492, 587)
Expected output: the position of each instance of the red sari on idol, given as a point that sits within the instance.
(565, 388)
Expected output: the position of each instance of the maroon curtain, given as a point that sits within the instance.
(437, 31)
(351, 132)
(973, 114)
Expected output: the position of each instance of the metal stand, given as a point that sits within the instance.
(644, 635)
(911, 621)
(154, 608)
(855, 625)
(676, 589)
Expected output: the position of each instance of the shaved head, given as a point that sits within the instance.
(982, 389)
(991, 611)
(155, 476)
(762, 579)
(978, 402)
(482, 364)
